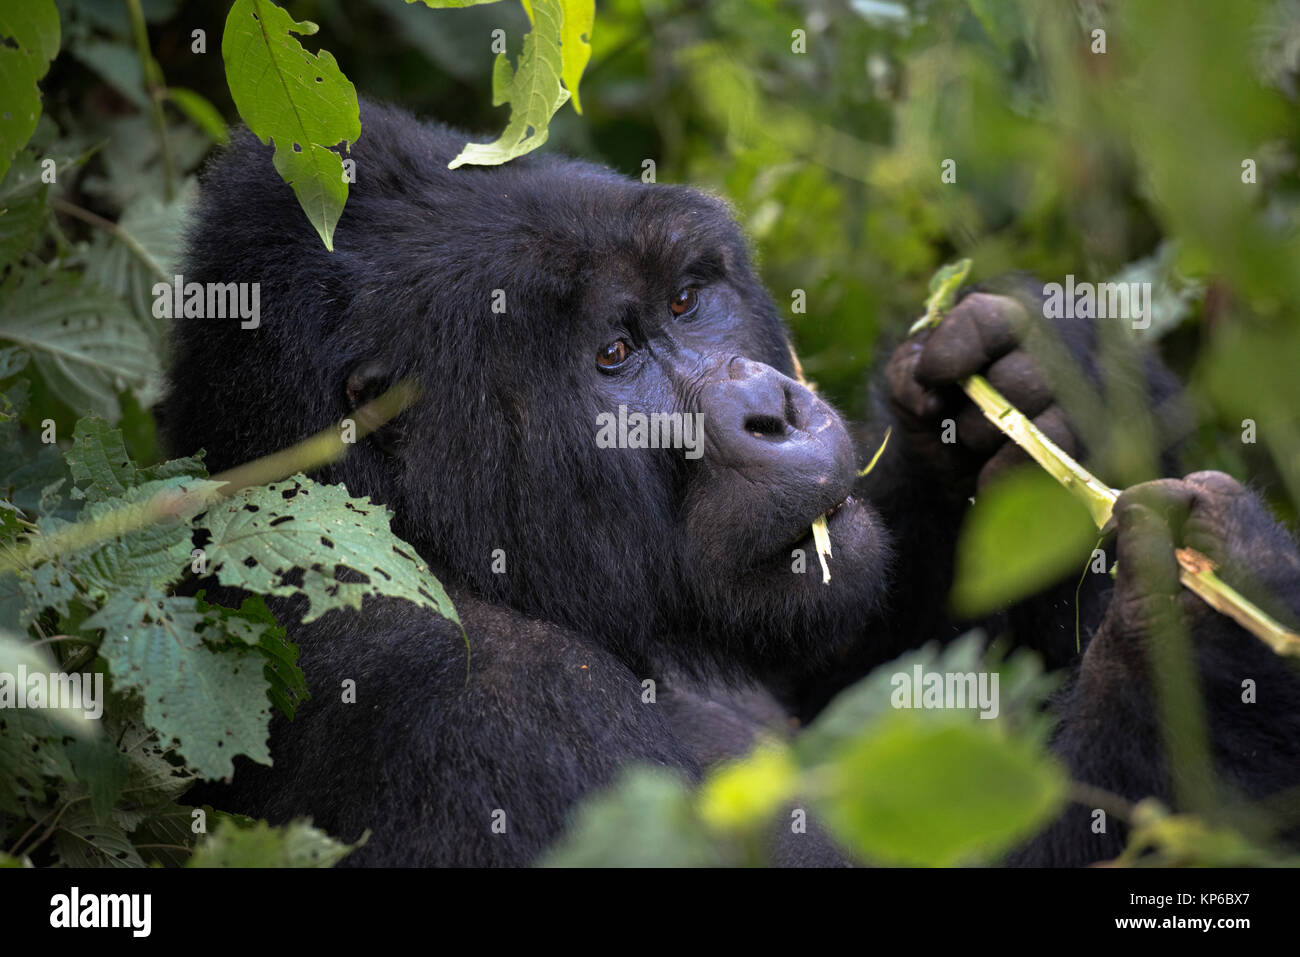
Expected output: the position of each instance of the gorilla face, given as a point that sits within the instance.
(626, 303)
(531, 303)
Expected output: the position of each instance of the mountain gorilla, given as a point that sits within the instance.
(581, 571)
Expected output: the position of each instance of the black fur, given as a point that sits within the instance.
(621, 565)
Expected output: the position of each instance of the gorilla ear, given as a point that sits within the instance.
(368, 380)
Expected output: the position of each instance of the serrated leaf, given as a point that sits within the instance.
(29, 41)
(83, 841)
(83, 342)
(253, 625)
(261, 534)
(98, 460)
(296, 844)
(299, 101)
(534, 92)
(151, 557)
(212, 704)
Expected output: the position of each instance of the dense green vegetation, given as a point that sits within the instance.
(862, 144)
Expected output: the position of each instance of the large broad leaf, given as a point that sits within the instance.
(532, 89)
(29, 41)
(299, 101)
(1023, 533)
(344, 545)
(84, 343)
(82, 840)
(157, 228)
(213, 704)
(919, 791)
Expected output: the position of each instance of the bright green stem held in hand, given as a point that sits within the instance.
(1196, 571)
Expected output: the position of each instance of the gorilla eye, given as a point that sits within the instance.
(613, 355)
(684, 302)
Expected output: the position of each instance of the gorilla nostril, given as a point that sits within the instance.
(765, 426)
(791, 410)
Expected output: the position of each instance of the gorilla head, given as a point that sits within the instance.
(527, 301)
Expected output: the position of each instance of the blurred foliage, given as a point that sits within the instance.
(1160, 149)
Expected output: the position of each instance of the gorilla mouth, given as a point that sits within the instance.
(805, 535)
(830, 512)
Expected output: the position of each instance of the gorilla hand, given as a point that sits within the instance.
(941, 428)
(1215, 515)
(1110, 732)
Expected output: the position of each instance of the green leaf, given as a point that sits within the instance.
(24, 206)
(944, 286)
(299, 101)
(213, 704)
(200, 111)
(533, 91)
(261, 534)
(100, 465)
(296, 844)
(579, 16)
(651, 804)
(918, 791)
(103, 770)
(85, 345)
(253, 625)
(157, 229)
(1023, 533)
(746, 793)
(29, 41)
(118, 64)
(150, 557)
(83, 841)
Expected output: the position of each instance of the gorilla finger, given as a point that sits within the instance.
(1171, 499)
(979, 329)
(1145, 551)
(1018, 378)
(976, 432)
(1215, 483)
(905, 392)
(1215, 514)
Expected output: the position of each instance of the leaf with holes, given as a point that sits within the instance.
(84, 343)
(343, 545)
(299, 101)
(532, 89)
(213, 704)
(29, 40)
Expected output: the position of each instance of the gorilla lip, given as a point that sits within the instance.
(828, 514)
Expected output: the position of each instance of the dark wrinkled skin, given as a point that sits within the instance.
(626, 565)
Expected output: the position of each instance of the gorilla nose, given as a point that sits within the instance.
(757, 418)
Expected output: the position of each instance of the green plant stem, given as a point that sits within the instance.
(113, 229)
(320, 449)
(1196, 571)
(153, 87)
